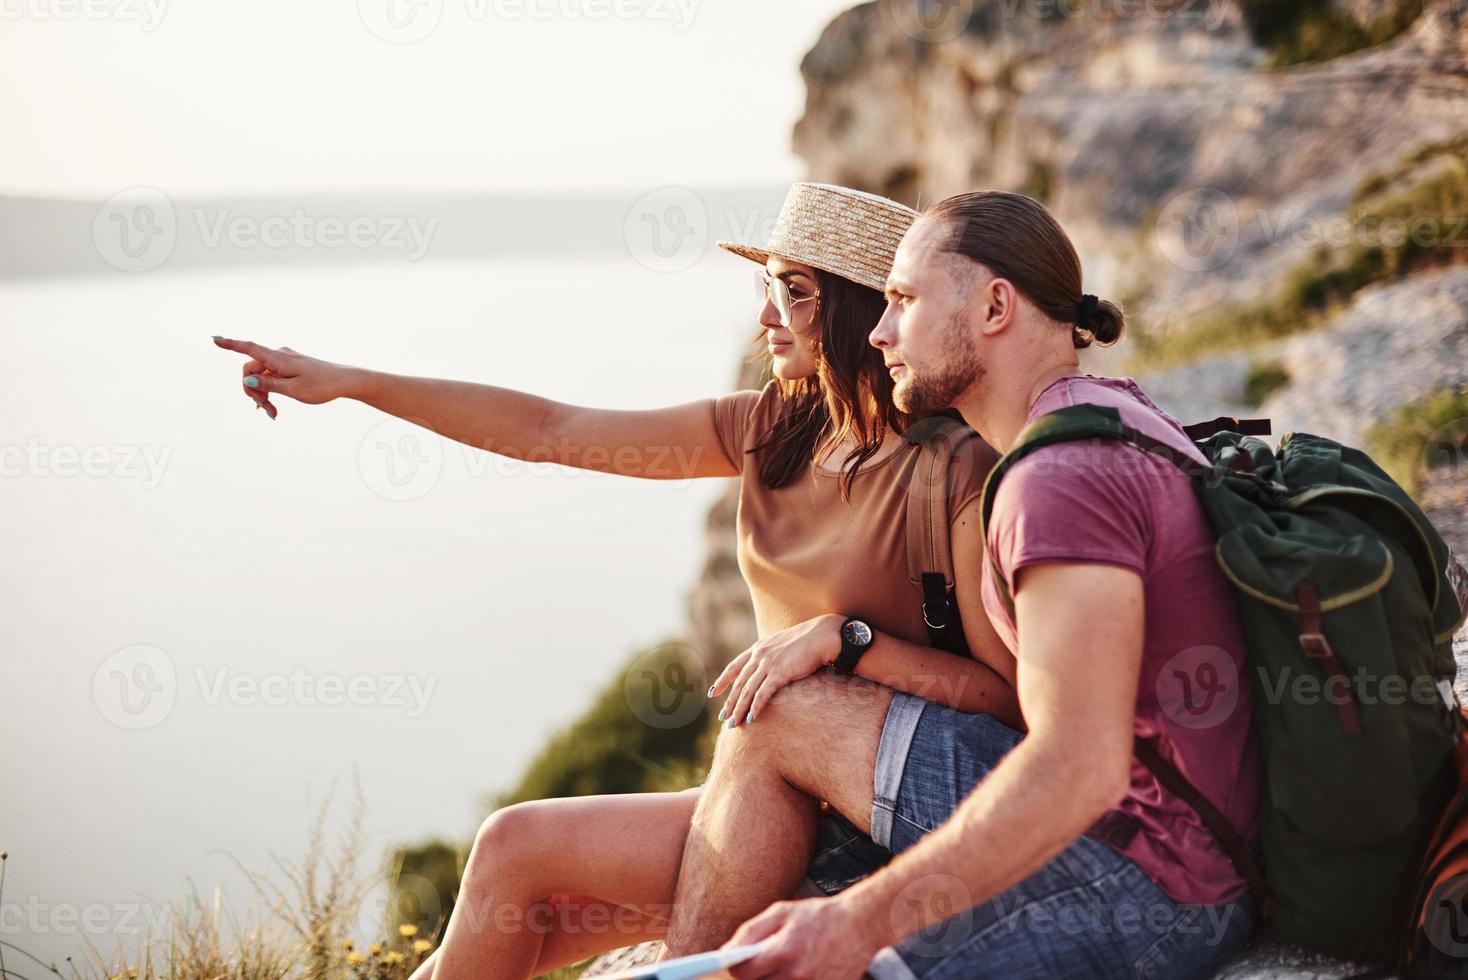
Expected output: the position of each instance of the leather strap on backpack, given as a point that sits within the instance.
(929, 554)
(1233, 843)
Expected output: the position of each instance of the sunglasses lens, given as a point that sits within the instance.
(775, 290)
(780, 294)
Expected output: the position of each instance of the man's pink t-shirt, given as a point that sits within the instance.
(1102, 501)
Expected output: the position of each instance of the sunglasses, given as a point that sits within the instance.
(778, 292)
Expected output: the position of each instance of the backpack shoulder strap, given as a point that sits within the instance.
(1199, 431)
(1073, 424)
(929, 551)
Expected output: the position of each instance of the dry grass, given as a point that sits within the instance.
(300, 926)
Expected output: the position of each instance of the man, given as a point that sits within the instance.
(1055, 854)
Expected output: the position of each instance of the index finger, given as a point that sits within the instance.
(259, 352)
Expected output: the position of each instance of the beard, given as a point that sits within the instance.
(936, 387)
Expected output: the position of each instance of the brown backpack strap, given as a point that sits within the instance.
(929, 551)
(1234, 845)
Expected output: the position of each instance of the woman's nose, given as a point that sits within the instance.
(769, 317)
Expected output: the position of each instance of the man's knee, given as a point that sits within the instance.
(785, 717)
(803, 717)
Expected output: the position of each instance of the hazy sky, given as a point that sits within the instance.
(203, 96)
(269, 549)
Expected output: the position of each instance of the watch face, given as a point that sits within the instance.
(857, 633)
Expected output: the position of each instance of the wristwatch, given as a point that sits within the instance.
(856, 637)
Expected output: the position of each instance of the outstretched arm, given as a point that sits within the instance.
(672, 443)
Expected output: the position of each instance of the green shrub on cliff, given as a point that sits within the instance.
(649, 730)
(1300, 31)
(1401, 222)
(633, 738)
(1401, 443)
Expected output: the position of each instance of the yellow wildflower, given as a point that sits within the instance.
(421, 945)
(356, 959)
(407, 931)
(394, 957)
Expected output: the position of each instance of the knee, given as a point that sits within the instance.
(794, 714)
(505, 838)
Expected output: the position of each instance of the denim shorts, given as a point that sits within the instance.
(1090, 912)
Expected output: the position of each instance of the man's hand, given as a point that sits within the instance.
(813, 937)
(777, 660)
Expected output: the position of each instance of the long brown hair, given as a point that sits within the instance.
(1016, 238)
(850, 395)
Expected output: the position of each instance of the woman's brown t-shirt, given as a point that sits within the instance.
(804, 551)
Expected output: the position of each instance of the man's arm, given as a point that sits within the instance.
(1080, 641)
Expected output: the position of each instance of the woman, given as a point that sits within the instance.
(821, 537)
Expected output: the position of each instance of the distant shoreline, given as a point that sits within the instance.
(51, 236)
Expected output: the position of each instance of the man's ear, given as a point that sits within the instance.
(1000, 305)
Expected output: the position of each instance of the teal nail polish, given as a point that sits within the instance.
(731, 722)
(721, 713)
(252, 382)
(711, 690)
(218, 337)
(750, 719)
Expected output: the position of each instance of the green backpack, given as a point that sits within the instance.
(1348, 617)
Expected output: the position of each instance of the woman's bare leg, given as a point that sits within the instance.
(580, 930)
(554, 881)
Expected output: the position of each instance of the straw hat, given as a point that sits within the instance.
(836, 229)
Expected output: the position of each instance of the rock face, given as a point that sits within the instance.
(1128, 127)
